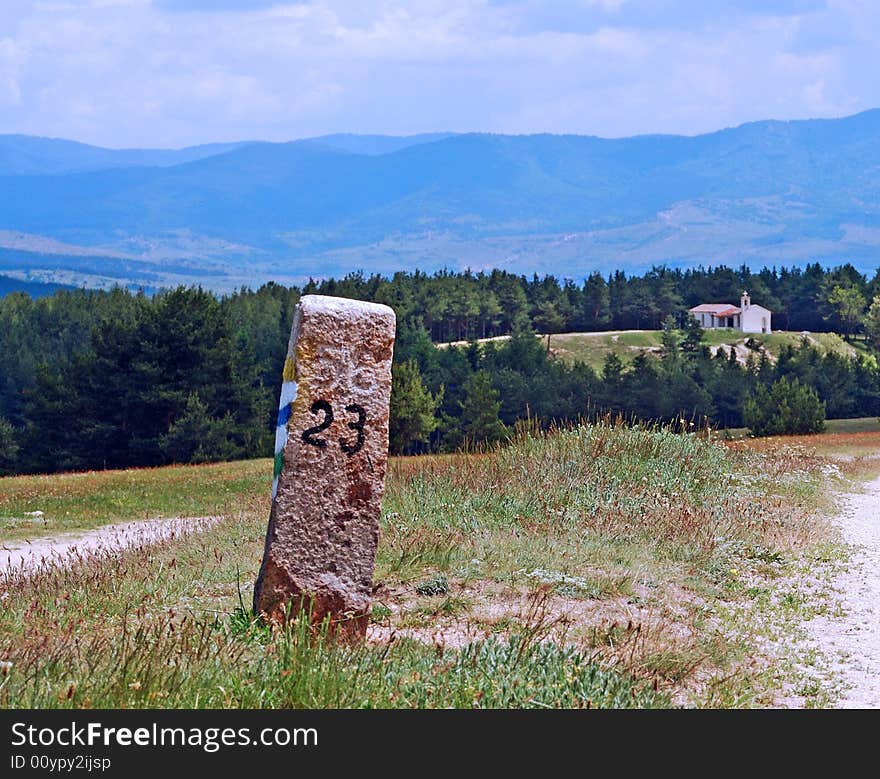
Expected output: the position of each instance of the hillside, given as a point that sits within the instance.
(33, 288)
(765, 192)
(25, 155)
(593, 348)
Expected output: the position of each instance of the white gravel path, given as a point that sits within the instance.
(66, 548)
(853, 641)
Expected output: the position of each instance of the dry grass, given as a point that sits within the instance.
(595, 566)
(855, 455)
(634, 537)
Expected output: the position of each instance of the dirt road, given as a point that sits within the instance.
(66, 548)
(853, 642)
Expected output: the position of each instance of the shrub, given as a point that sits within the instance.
(198, 437)
(786, 408)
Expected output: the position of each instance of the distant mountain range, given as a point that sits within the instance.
(35, 289)
(225, 215)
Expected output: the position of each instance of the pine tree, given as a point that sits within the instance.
(479, 411)
(786, 408)
(596, 306)
(413, 409)
(197, 437)
(670, 341)
(871, 323)
(693, 336)
(611, 394)
(523, 351)
(8, 448)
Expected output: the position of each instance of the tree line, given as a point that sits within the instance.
(101, 379)
(463, 306)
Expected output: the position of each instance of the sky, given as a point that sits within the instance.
(171, 73)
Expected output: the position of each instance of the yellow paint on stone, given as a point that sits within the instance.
(289, 370)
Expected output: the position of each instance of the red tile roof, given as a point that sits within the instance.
(719, 309)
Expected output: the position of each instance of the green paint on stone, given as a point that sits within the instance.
(279, 464)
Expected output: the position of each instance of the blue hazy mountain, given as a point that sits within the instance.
(767, 192)
(30, 155)
(35, 289)
(377, 144)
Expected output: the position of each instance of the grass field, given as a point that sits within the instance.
(858, 450)
(79, 501)
(593, 348)
(594, 567)
(843, 428)
(847, 426)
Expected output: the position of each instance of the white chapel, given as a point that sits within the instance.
(749, 317)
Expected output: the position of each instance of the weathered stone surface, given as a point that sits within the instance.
(330, 462)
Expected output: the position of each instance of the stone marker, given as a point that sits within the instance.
(331, 453)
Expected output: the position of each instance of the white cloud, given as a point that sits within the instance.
(132, 72)
(10, 91)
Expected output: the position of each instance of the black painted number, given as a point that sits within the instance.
(351, 449)
(309, 436)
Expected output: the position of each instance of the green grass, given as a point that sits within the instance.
(231, 661)
(833, 427)
(581, 568)
(79, 501)
(859, 425)
(647, 490)
(593, 348)
(775, 342)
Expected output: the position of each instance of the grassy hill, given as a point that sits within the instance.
(593, 348)
(600, 566)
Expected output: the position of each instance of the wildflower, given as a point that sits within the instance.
(134, 686)
(5, 666)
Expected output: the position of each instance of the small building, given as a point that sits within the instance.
(749, 318)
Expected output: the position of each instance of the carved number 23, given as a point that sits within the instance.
(309, 435)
